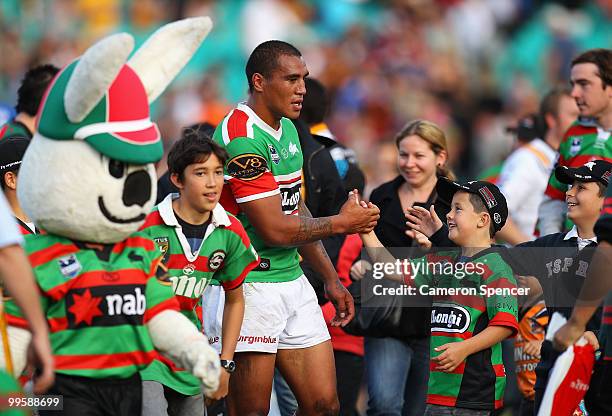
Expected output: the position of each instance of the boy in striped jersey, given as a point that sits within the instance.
(283, 323)
(467, 375)
(201, 245)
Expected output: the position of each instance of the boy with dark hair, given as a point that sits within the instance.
(29, 95)
(202, 245)
(12, 150)
(474, 301)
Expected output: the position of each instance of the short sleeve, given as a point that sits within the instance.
(248, 170)
(240, 260)
(502, 307)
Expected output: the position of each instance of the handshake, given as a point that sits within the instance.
(358, 216)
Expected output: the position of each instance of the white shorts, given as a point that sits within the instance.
(276, 316)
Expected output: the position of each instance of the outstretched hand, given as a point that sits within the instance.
(421, 220)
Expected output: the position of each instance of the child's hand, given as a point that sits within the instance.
(533, 348)
(422, 220)
(422, 240)
(454, 354)
(359, 269)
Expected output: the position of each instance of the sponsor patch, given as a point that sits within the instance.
(576, 144)
(215, 260)
(69, 266)
(488, 197)
(449, 318)
(497, 218)
(247, 167)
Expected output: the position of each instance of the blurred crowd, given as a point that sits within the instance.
(474, 67)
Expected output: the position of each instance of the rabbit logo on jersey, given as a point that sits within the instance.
(449, 318)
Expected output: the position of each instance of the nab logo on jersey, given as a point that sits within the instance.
(128, 304)
(449, 318)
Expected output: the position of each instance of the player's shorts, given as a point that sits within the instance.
(276, 316)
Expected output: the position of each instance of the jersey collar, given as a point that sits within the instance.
(219, 216)
(573, 233)
(277, 134)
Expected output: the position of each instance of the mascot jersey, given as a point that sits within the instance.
(104, 293)
(262, 162)
(224, 257)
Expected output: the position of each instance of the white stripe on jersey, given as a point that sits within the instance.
(289, 176)
(224, 132)
(257, 196)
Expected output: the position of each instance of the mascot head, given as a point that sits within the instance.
(88, 173)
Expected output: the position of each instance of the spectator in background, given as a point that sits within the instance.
(397, 366)
(588, 138)
(29, 96)
(524, 174)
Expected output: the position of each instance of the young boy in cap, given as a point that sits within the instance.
(202, 245)
(12, 150)
(474, 301)
(558, 261)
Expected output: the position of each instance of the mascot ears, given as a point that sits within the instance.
(105, 101)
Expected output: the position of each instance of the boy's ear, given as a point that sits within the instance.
(484, 220)
(176, 181)
(10, 179)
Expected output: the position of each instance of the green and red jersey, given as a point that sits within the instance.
(262, 162)
(583, 142)
(478, 382)
(97, 300)
(14, 128)
(224, 257)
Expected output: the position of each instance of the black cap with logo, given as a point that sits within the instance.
(12, 149)
(593, 171)
(490, 194)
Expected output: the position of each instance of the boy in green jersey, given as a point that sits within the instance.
(474, 301)
(201, 244)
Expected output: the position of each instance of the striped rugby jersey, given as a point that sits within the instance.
(97, 302)
(583, 142)
(262, 162)
(478, 382)
(224, 257)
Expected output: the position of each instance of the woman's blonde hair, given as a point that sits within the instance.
(432, 134)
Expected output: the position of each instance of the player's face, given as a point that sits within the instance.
(567, 114)
(417, 161)
(284, 88)
(584, 203)
(592, 98)
(202, 184)
(462, 220)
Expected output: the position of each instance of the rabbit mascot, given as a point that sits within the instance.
(88, 181)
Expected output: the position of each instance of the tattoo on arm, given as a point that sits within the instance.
(311, 229)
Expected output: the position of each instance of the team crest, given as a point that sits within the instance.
(216, 260)
(575, 146)
(273, 155)
(162, 244)
(293, 149)
(69, 266)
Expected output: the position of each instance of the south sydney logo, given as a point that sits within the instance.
(449, 318)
